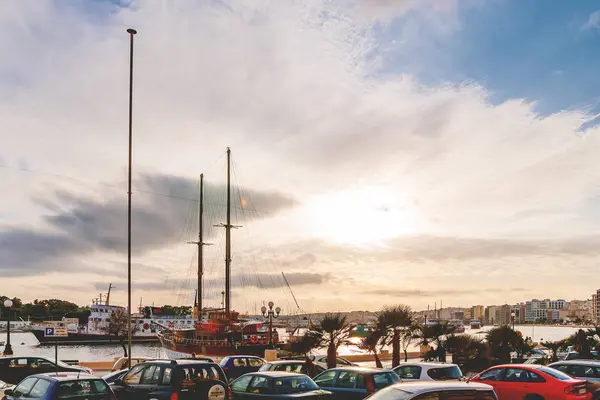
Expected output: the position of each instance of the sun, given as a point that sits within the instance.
(361, 216)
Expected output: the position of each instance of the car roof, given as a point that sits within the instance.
(427, 364)
(525, 366)
(594, 363)
(417, 387)
(286, 362)
(276, 374)
(180, 362)
(366, 370)
(70, 376)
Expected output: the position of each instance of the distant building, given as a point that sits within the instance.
(536, 310)
(519, 311)
(503, 315)
(552, 315)
(596, 307)
(478, 313)
(490, 315)
(459, 315)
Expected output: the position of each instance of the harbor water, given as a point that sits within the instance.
(25, 344)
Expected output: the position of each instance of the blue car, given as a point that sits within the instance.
(236, 366)
(54, 386)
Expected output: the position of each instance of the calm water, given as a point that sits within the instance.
(25, 344)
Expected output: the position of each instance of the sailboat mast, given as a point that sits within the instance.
(228, 239)
(200, 245)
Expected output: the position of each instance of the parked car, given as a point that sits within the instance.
(573, 355)
(583, 369)
(276, 385)
(62, 385)
(520, 381)
(352, 383)
(321, 359)
(428, 371)
(4, 386)
(174, 379)
(296, 366)
(113, 376)
(432, 390)
(236, 366)
(122, 363)
(14, 369)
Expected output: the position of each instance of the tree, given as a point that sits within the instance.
(394, 319)
(303, 345)
(583, 342)
(436, 334)
(554, 347)
(373, 343)
(333, 331)
(469, 352)
(118, 327)
(409, 335)
(502, 341)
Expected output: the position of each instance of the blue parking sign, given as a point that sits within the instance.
(49, 332)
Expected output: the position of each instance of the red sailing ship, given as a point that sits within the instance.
(218, 332)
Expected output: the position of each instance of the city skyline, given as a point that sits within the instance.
(384, 152)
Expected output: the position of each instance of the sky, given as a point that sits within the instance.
(383, 152)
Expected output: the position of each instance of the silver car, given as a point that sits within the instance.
(432, 390)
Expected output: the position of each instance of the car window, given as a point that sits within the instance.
(384, 379)
(100, 386)
(461, 395)
(134, 375)
(241, 384)
(325, 379)
(239, 362)
(492, 375)
(555, 374)
(346, 379)
(294, 384)
(409, 372)
(40, 363)
(259, 384)
(17, 363)
(74, 389)
(255, 362)
(39, 389)
(341, 361)
(265, 367)
(24, 387)
(148, 374)
(444, 374)
(166, 378)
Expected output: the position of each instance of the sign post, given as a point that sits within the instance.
(56, 331)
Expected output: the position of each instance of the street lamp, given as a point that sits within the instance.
(8, 348)
(270, 314)
(512, 317)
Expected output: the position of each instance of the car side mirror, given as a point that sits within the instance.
(8, 392)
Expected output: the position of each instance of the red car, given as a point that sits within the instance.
(533, 382)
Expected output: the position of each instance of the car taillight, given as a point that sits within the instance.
(578, 388)
(175, 396)
(370, 385)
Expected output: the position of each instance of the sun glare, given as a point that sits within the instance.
(361, 216)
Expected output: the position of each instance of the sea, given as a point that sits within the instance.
(25, 344)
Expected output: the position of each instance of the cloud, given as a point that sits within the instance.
(163, 208)
(593, 22)
(412, 293)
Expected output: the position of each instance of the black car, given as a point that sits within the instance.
(355, 383)
(74, 386)
(276, 385)
(113, 376)
(165, 380)
(297, 366)
(14, 369)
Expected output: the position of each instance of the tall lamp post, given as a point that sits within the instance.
(270, 314)
(8, 348)
(512, 317)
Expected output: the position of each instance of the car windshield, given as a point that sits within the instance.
(445, 373)
(556, 374)
(294, 384)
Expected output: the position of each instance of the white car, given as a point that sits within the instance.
(435, 390)
(428, 371)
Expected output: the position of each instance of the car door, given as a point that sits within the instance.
(41, 366)
(258, 388)
(326, 379)
(344, 387)
(148, 382)
(518, 382)
(493, 377)
(239, 387)
(126, 389)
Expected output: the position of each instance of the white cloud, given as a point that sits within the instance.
(291, 88)
(593, 21)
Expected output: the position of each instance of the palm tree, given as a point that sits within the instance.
(394, 319)
(502, 341)
(409, 335)
(303, 345)
(436, 334)
(583, 342)
(469, 352)
(554, 347)
(333, 331)
(373, 343)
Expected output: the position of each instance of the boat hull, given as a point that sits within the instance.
(179, 350)
(84, 339)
